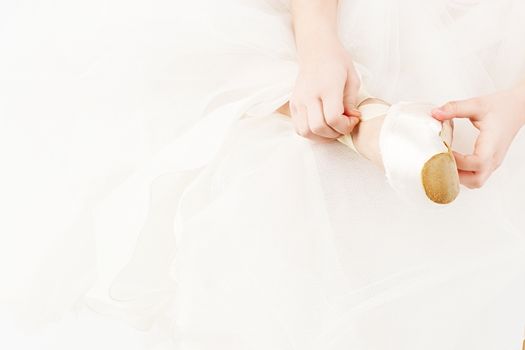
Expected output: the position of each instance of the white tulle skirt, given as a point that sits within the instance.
(148, 178)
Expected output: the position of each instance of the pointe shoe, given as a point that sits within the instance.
(415, 151)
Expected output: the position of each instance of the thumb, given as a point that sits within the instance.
(350, 92)
(458, 109)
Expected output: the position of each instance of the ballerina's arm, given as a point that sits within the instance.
(323, 103)
(498, 117)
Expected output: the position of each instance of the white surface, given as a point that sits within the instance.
(275, 243)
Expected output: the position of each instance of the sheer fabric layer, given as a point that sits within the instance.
(182, 201)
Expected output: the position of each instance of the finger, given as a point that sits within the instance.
(353, 113)
(484, 149)
(475, 169)
(483, 156)
(298, 114)
(473, 180)
(354, 121)
(333, 113)
(470, 108)
(467, 162)
(350, 94)
(317, 122)
(300, 122)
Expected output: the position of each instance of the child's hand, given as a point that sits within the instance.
(323, 103)
(498, 117)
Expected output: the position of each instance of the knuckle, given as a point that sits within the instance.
(481, 105)
(485, 163)
(337, 112)
(300, 129)
(332, 107)
(302, 132)
(479, 165)
(333, 119)
(477, 102)
(295, 107)
(451, 106)
(318, 128)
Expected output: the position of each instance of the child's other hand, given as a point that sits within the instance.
(323, 103)
(498, 117)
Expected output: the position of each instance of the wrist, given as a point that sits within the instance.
(315, 29)
(318, 48)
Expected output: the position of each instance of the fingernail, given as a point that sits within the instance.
(441, 111)
(438, 111)
(439, 114)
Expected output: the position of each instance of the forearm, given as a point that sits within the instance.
(315, 26)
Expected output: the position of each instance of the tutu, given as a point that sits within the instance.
(149, 179)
